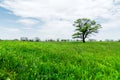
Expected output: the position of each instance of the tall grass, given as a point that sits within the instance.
(59, 60)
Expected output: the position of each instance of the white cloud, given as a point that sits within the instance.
(59, 15)
(5, 29)
(9, 33)
(28, 22)
(52, 9)
(56, 29)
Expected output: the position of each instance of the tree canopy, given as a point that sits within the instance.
(84, 28)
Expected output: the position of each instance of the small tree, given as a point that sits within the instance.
(84, 28)
(24, 39)
(37, 39)
(118, 40)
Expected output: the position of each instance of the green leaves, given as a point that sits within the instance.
(85, 27)
(76, 35)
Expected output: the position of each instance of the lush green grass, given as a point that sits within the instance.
(59, 60)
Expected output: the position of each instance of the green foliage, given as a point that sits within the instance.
(59, 60)
(85, 27)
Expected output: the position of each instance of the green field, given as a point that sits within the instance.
(59, 60)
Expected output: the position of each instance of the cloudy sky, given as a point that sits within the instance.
(52, 19)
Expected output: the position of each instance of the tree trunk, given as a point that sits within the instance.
(83, 39)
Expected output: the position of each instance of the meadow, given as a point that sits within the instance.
(20, 60)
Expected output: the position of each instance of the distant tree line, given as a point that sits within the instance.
(37, 39)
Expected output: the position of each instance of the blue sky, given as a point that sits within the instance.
(52, 19)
